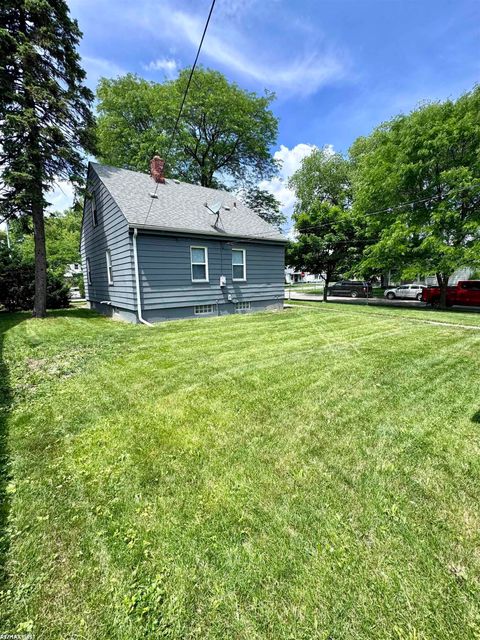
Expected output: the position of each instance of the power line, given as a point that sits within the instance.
(386, 210)
(183, 101)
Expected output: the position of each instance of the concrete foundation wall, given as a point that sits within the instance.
(177, 313)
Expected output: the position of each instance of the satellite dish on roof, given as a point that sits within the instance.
(215, 208)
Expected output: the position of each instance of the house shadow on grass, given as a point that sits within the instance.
(476, 417)
(73, 312)
(7, 321)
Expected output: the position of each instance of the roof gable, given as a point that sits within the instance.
(180, 206)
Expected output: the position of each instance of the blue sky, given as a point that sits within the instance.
(338, 67)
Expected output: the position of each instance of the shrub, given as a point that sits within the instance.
(17, 284)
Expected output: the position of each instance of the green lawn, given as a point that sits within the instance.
(369, 309)
(311, 474)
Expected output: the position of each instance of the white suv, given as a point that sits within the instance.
(409, 291)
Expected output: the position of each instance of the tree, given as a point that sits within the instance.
(328, 241)
(17, 282)
(62, 236)
(45, 114)
(225, 132)
(264, 204)
(429, 158)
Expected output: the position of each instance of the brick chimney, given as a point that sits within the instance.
(157, 167)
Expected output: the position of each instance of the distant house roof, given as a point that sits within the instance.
(180, 206)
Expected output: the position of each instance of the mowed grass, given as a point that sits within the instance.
(457, 315)
(294, 475)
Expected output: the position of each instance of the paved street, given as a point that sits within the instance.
(374, 302)
(381, 302)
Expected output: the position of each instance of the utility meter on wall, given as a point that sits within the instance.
(223, 281)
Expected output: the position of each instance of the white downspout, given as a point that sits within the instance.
(137, 280)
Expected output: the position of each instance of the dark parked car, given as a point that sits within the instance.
(351, 288)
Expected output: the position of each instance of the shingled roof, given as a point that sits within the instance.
(180, 206)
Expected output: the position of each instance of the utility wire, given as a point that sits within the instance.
(376, 213)
(183, 102)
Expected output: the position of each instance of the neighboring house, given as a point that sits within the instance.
(459, 274)
(156, 249)
(73, 269)
(292, 276)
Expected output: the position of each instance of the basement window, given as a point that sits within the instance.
(243, 306)
(203, 309)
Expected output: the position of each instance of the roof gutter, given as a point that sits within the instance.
(137, 280)
(221, 236)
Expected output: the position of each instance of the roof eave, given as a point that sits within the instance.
(209, 234)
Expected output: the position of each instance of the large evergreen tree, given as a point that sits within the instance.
(45, 114)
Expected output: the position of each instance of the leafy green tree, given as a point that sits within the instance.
(62, 235)
(17, 282)
(45, 114)
(429, 158)
(328, 242)
(225, 132)
(264, 204)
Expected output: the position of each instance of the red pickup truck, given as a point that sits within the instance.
(466, 292)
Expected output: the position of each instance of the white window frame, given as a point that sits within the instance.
(204, 309)
(244, 279)
(94, 212)
(243, 305)
(89, 271)
(202, 263)
(108, 258)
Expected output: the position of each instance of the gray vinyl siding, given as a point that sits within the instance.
(165, 272)
(111, 232)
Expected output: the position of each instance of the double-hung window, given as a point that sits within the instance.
(89, 271)
(108, 257)
(239, 265)
(93, 204)
(199, 264)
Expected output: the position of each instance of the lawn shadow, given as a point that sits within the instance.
(476, 417)
(7, 321)
(73, 312)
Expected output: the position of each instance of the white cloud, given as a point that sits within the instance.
(302, 75)
(234, 8)
(169, 66)
(290, 160)
(61, 197)
(97, 68)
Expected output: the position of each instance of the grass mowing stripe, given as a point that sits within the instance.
(444, 318)
(292, 475)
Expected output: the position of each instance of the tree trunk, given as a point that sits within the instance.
(40, 301)
(325, 287)
(442, 279)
